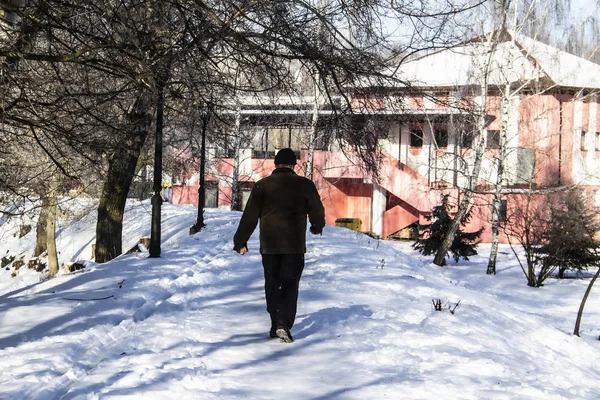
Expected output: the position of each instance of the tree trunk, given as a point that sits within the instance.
(497, 201)
(491, 267)
(52, 196)
(312, 137)
(121, 169)
(561, 272)
(479, 150)
(440, 256)
(41, 242)
(582, 305)
(236, 195)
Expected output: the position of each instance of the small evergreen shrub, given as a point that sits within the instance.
(433, 234)
(569, 240)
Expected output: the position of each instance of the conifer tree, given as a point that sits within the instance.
(431, 236)
(569, 241)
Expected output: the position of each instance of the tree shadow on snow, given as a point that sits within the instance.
(317, 321)
(310, 324)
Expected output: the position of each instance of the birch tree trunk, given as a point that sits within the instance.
(440, 256)
(51, 226)
(497, 201)
(312, 136)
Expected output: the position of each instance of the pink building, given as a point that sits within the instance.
(538, 107)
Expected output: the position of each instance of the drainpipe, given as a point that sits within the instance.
(560, 133)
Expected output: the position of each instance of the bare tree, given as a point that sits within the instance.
(527, 222)
(535, 20)
(109, 69)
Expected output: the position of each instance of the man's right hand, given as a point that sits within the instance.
(243, 250)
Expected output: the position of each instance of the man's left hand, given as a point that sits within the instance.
(315, 231)
(243, 250)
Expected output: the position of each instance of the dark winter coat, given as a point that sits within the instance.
(281, 201)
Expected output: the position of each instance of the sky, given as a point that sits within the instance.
(466, 24)
(192, 324)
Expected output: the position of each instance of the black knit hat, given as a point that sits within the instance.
(285, 157)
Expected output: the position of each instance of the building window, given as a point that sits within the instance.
(597, 141)
(272, 138)
(441, 137)
(493, 139)
(299, 137)
(466, 139)
(416, 138)
(280, 138)
(583, 141)
(261, 146)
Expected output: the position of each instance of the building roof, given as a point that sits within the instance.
(516, 58)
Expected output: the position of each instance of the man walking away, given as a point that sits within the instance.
(281, 201)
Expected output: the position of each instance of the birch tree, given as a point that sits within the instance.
(520, 16)
(501, 14)
(480, 105)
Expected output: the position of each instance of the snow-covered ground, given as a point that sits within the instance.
(192, 324)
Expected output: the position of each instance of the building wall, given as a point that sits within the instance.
(539, 130)
(544, 143)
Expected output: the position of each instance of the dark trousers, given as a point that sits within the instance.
(282, 278)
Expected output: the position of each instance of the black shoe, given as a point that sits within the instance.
(273, 333)
(284, 335)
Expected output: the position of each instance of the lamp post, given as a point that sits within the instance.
(155, 232)
(197, 227)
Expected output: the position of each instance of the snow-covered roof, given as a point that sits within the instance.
(563, 68)
(518, 60)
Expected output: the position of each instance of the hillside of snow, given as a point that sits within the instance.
(193, 325)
